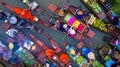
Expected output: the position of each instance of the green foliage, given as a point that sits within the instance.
(116, 7)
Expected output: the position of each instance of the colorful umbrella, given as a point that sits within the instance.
(64, 58)
(49, 53)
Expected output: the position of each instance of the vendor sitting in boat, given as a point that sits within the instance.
(72, 51)
(63, 27)
(3, 16)
(80, 14)
(71, 32)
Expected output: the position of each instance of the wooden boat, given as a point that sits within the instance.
(23, 13)
(10, 20)
(105, 58)
(102, 26)
(86, 36)
(33, 5)
(75, 55)
(106, 4)
(9, 56)
(93, 6)
(50, 53)
(33, 48)
(109, 11)
(23, 51)
(59, 51)
(107, 7)
(72, 23)
(96, 22)
(113, 42)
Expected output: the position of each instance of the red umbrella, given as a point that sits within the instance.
(64, 58)
(49, 53)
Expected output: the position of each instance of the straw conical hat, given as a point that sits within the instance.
(91, 55)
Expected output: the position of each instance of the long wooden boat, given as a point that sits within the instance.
(104, 56)
(93, 6)
(80, 44)
(68, 20)
(33, 48)
(10, 20)
(23, 41)
(23, 51)
(23, 13)
(108, 9)
(51, 54)
(75, 55)
(96, 22)
(59, 51)
(9, 56)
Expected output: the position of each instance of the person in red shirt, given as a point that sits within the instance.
(25, 13)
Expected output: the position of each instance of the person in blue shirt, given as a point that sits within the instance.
(116, 21)
(3, 16)
(80, 14)
(63, 27)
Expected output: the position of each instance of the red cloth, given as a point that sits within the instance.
(64, 58)
(24, 13)
(49, 53)
(81, 27)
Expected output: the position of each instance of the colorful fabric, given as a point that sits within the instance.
(64, 58)
(67, 17)
(76, 23)
(81, 27)
(71, 21)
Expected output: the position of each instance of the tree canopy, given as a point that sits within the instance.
(116, 7)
